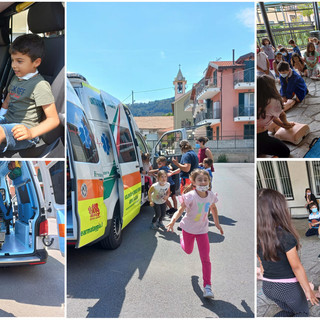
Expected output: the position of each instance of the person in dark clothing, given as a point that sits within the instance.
(310, 197)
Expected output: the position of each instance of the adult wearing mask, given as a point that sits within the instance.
(204, 152)
(310, 197)
(188, 163)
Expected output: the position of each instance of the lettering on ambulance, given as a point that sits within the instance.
(91, 209)
(132, 192)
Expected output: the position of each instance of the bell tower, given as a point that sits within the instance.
(179, 85)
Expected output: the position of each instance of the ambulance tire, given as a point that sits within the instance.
(113, 240)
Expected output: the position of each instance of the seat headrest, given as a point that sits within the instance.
(46, 17)
(4, 31)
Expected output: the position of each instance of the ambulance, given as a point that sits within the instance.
(24, 233)
(105, 184)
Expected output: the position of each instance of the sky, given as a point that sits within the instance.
(123, 47)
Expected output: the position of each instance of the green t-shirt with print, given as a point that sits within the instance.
(26, 100)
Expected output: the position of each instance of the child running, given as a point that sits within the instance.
(284, 279)
(195, 223)
(158, 194)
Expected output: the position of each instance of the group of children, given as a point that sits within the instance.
(197, 201)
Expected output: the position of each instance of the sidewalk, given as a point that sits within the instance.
(306, 112)
(309, 258)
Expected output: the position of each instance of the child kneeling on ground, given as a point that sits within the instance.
(29, 98)
(292, 84)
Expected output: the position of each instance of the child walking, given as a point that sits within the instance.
(284, 279)
(195, 223)
(158, 195)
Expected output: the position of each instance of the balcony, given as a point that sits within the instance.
(244, 79)
(206, 90)
(188, 105)
(241, 113)
(212, 116)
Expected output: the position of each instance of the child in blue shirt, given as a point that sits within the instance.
(292, 84)
(314, 221)
(295, 48)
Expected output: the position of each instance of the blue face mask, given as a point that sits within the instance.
(197, 145)
(314, 210)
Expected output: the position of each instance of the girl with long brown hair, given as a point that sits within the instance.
(284, 278)
(270, 109)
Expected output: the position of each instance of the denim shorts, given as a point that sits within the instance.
(11, 143)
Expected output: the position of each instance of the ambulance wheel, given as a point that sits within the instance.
(113, 240)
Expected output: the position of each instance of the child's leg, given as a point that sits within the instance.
(157, 212)
(163, 207)
(187, 241)
(168, 203)
(272, 146)
(204, 251)
(289, 297)
(174, 200)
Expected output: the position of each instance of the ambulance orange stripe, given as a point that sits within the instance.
(61, 230)
(94, 189)
(131, 180)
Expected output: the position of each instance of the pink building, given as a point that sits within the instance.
(224, 99)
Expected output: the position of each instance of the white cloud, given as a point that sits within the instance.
(162, 54)
(247, 17)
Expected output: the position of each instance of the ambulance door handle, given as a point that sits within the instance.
(138, 166)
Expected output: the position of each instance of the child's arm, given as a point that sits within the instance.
(149, 195)
(214, 211)
(175, 217)
(282, 121)
(153, 171)
(300, 274)
(5, 103)
(175, 172)
(167, 194)
(21, 132)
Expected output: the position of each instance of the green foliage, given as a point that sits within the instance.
(222, 158)
(152, 108)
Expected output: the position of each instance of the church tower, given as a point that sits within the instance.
(179, 85)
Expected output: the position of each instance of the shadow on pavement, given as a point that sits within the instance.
(221, 308)
(4, 314)
(41, 285)
(227, 221)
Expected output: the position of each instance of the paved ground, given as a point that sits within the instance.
(150, 275)
(306, 112)
(309, 258)
(34, 291)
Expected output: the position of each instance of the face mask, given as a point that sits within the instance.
(284, 54)
(28, 76)
(202, 188)
(283, 75)
(314, 210)
(308, 193)
(197, 145)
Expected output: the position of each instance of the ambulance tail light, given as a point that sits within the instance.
(43, 230)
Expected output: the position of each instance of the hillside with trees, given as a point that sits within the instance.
(152, 108)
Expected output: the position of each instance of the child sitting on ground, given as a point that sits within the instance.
(295, 48)
(286, 55)
(311, 57)
(292, 85)
(299, 65)
(162, 165)
(314, 221)
(158, 195)
(276, 61)
(29, 98)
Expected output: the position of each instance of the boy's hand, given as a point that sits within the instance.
(21, 132)
(219, 228)
(151, 204)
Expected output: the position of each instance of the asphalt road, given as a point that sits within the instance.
(150, 275)
(34, 291)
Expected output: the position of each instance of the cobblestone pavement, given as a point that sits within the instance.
(306, 112)
(309, 258)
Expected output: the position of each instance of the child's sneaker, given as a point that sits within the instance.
(153, 226)
(161, 225)
(207, 292)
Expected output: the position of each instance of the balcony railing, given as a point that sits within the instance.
(244, 76)
(241, 111)
(212, 114)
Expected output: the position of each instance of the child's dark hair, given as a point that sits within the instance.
(283, 66)
(29, 44)
(266, 88)
(162, 159)
(193, 175)
(284, 50)
(161, 173)
(263, 40)
(291, 41)
(272, 215)
(296, 55)
(204, 140)
(311, 204)
(208, 161)
(145, 156)
(308, 52)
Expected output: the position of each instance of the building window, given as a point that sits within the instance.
(275, 175)
(314, 169)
